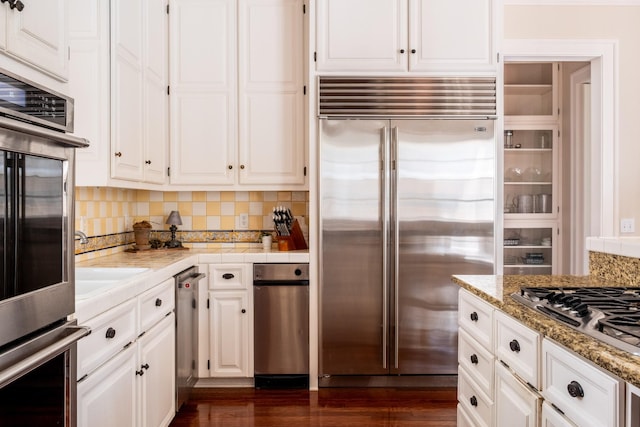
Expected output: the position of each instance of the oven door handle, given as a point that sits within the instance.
(41, 356)
(71, 140)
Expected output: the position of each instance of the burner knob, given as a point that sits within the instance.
(575, 389)
(582, 310)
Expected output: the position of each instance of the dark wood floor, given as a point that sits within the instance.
(328, 407)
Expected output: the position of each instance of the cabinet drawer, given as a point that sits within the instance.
(464, 420)
(476, 360)
(227, 277)
(476, 317)
(519, 347)
(474, 401)
(597, 394)
(156, 303)
(110, 333)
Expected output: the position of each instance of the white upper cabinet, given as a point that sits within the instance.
(126, 90)
(449, 35)
(203, 91)
(271, 109)
(444, 36)
(237, 111)
(139, 105)
(123, 43)
(36, 33)
(361, 35)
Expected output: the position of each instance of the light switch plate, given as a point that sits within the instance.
(627, 225)
(244, 221)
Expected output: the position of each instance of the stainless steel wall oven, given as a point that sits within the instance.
(37, 292)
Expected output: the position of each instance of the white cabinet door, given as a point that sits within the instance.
(271, 107)
(88, 72)
(447, 35)
(361, 35)
(552, 418)
(38, 34)
(126, 92)
(203, 91)
(516, 405)
(107, 397)
(230, 346)
(156, 100)
(156, 373)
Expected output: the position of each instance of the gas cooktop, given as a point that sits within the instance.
(609, 314)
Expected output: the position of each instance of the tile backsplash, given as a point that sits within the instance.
(209, 218)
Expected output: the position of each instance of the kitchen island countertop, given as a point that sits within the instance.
(497, 290)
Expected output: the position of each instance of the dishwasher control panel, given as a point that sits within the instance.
(281, 272)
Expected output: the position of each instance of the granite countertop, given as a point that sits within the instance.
(496, 291)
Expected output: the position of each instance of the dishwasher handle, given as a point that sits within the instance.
(195, 277)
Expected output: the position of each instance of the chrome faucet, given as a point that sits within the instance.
(83, 237)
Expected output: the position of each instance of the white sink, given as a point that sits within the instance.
(106, 273)
(88, 288)
(92, 281)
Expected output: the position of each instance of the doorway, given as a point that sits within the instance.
(588, 197)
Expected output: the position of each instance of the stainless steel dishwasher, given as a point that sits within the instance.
(186, 328)
(281, 325)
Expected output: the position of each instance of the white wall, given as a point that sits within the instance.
(599, 23)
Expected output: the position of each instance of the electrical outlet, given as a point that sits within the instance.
(627, 225)
(244, 221)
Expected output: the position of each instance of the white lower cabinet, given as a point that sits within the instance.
(551, 417)
(475, 361)
(126, 366)
(107, 397)
(225, 325)
(156, 369)
(516, 403)
(585, 393)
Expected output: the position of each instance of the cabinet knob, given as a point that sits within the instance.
(140, 372)
(230, 167)
(15, 4)
(241, 166)
(118, 154)
(413, 51)
(148, 162)
(228, 276)
(514, 345)
(401, 50)
(145, 366)
(158, 302)
(474, 316)
(243, 311)
(473, 401)
(474, 359)
(110, 333)
(575, 389)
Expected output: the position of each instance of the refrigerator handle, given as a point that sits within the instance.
(384, 211)
(396, 241)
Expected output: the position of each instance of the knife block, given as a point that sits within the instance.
(293, 242)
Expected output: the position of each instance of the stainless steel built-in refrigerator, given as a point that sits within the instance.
(404, 205)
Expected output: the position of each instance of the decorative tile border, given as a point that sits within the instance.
(126, 239)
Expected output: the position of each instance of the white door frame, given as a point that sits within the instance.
(580, 122)
(603, 56)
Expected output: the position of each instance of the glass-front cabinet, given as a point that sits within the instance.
(530, 166)
(530, 249)
(531, 173)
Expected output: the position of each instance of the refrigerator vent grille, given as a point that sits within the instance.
(457, 97)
